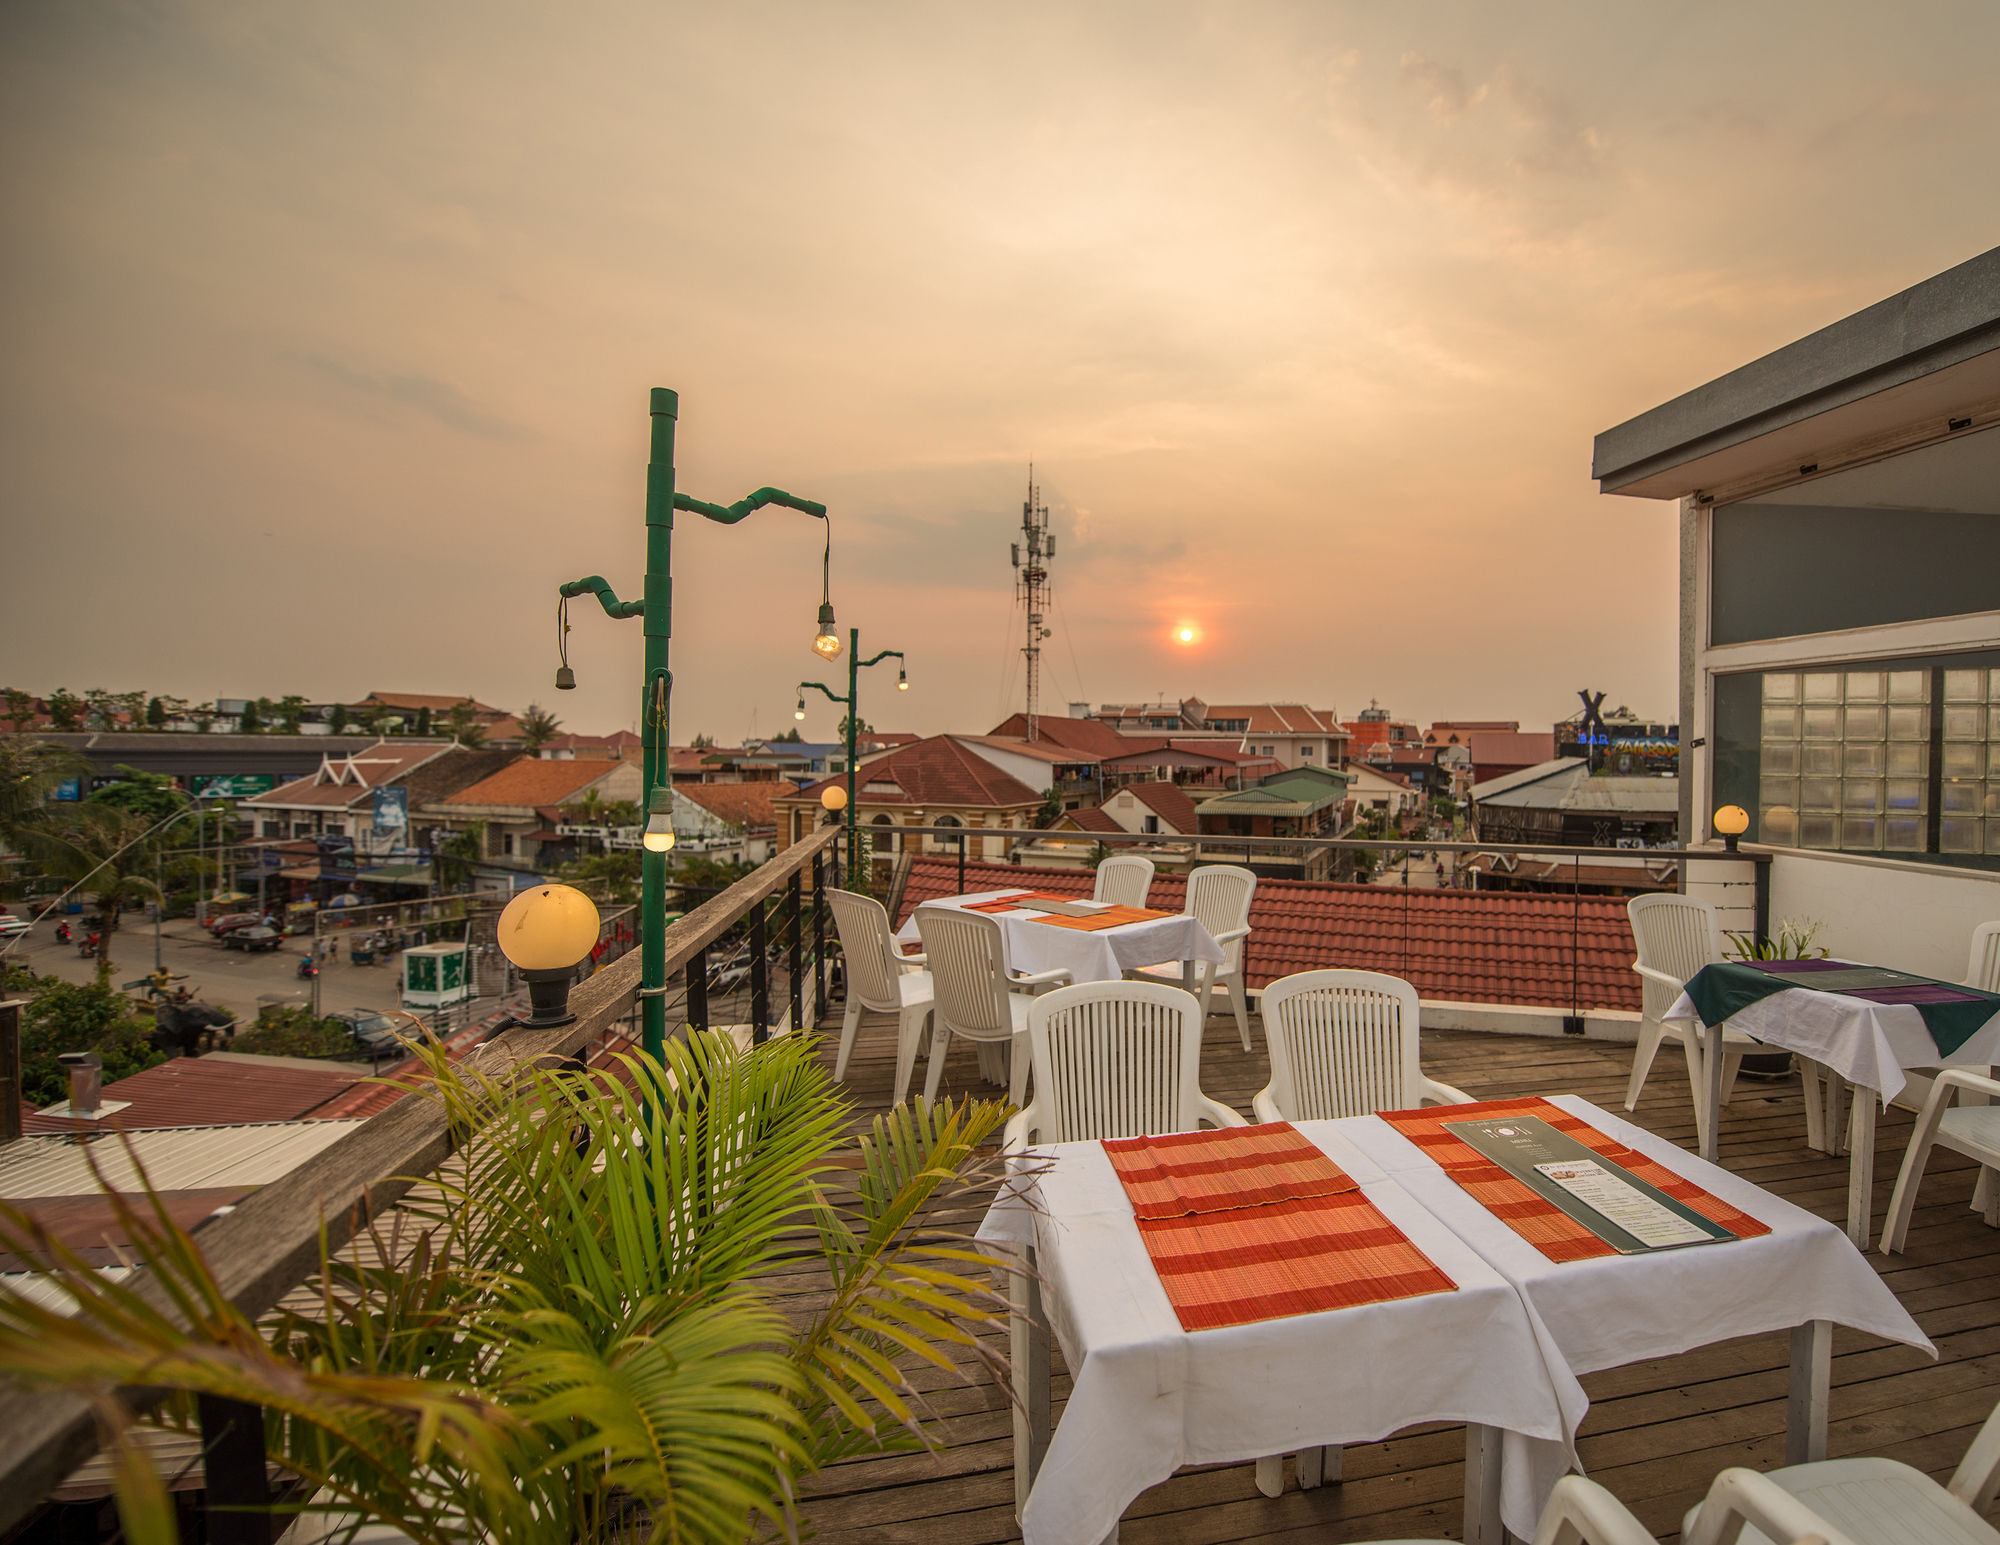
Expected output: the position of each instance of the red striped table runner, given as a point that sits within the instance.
(1535, 1218)
(1255, 1223)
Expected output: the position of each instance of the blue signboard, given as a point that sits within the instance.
(69, 789)
(392, 814)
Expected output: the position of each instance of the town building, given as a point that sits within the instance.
(338, 800)
(1299, 802)
(1389, 794)
(931, 782)
(1495, 753)
(521, 805)
(1563, 803)
(1376, 726)
(619, 745)
(1293, 734)
(733, 822)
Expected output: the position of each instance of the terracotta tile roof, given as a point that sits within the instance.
(741, 804)
(352, 779)
(1279, 718)
(1460, 946)
(1091, 819)
(457, 769)
(937, 771)
(210, 1092)
(1086, 735)
(1499, 748)
(616, 741)
(530, 782)
(1169, 801)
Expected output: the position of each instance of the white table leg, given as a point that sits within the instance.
(1271, 1474)
(1810, 1075)
(1189, 972)
(1835, 1130)
(1861, 1166)
(1812, 1381)
(1482, 1487)
(1028, 1336)
(1712, 1091)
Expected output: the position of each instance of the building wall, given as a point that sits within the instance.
(1914, 917)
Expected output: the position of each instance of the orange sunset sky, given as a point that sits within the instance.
(330, 328)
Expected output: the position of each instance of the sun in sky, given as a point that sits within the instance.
(1185, 633)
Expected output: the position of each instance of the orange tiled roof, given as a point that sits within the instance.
(1459, 946)
(937, 771)
(530, 782)
(741, 804)
(1169, 801)
(1085, 735)
(435, 702)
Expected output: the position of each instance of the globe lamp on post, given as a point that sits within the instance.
(833, 800)
(1731, 821)
(547, 932)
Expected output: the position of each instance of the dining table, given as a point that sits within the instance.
(1494, 1309)
(1094, 941)
(1859, 1029)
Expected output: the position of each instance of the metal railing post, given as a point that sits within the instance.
(695, 975)
(1761, 867)
(961, 863)
(795, 965)
(819, 939)
(238, 1497)
(760, 977)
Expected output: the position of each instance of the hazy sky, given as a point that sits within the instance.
(329, 331)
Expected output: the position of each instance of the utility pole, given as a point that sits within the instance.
(1031, 584)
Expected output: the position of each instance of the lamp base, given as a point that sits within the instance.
(548, 997)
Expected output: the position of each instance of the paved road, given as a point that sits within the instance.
(229, 979)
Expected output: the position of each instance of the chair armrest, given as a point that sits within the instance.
(1265, 1104)
(914, 962)
(1024, 979)
(1654, 974)
(1978, 1474)
(1014, 1136)
(1231, 935)
(1742, 1496)
(1580, 1509)
(1218, 1114)
(1435, 1093)
(1965, 1078)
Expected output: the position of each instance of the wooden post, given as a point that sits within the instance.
(695, 975)
(10, 1069)
(238, 1485)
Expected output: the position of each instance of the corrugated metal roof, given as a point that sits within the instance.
(1572, 787)
(212, 1092)
(189, 1159)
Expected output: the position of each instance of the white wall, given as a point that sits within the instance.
(1915, 917)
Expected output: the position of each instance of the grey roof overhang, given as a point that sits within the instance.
(1911, 340)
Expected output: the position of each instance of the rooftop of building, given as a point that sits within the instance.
(747, 805)
(1567, 783)
(934, 772)
(438, 703)
(209, 1092)
(351, 777)
(530, 783)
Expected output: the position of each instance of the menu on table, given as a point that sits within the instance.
(1624, 1211)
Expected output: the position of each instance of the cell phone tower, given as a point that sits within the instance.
(1031, 580)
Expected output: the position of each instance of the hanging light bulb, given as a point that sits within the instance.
(658, 836)
(800, 711)
(826, 643)
(902, 679)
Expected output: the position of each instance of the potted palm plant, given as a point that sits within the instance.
(574, 1331)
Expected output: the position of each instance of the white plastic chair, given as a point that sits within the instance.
(1579, 1512)
(1115, 1059)
(1983, 969)
(1676, 936)
(1344, 1043)
(1865, 1501)
(1218, 897)
(974, 995)
(1973, 1130)
(1124, 878)
(880, 979)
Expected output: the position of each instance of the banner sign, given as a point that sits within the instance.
(233, 785)
(336, 856)
(392, 813)
(69, 790)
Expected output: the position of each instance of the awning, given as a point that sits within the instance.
(397, 874)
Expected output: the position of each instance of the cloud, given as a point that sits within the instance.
(435, 399)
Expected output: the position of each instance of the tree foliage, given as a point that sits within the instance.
(73, 1016)
(290, 1030)
(30, 771)
(111, 853)
(538, 727)
(618, 869)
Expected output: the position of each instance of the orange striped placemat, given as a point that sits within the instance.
(1254, 1223)
(1110, 917)
(1535, 1218)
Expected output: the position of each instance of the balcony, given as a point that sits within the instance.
(1532, 965)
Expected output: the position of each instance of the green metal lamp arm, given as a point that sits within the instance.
(821, 686)
(606, 597)
(729, 515)
(884, 655)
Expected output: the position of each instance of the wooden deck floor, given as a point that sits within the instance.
(1656, 1433)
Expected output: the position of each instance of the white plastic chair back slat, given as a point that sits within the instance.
(1124, 878)
(1342, 1043)
(1675, 934)
(967, 956)
(1116, 1059)
(1218, 897)
(863, 928)
(1982, 971)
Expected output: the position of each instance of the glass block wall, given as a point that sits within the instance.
(1845, 760)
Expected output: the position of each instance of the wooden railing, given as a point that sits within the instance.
(271, 1241)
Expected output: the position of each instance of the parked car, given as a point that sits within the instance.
(12, 927)
(378, 1035)
(230, 922)
(257, 938)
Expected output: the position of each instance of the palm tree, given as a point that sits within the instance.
(463, 722)
(108, 851)
(30, 771)
(454, 861)
(538, 727)
(583, 1342)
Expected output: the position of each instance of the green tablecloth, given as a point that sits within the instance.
(1952, 1014)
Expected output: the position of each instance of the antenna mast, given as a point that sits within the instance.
(1031, 578)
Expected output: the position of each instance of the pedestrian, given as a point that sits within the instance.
(333, 948)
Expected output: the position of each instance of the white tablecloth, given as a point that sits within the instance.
(1104, 956)
(1870, 1044)
(1621, 1309)
(1147, 1397)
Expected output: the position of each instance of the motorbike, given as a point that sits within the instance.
(87, 947)
(308, 967)
(63, 932)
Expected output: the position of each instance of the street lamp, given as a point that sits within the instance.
(855, 664)
(547, 932)
(655, 609)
